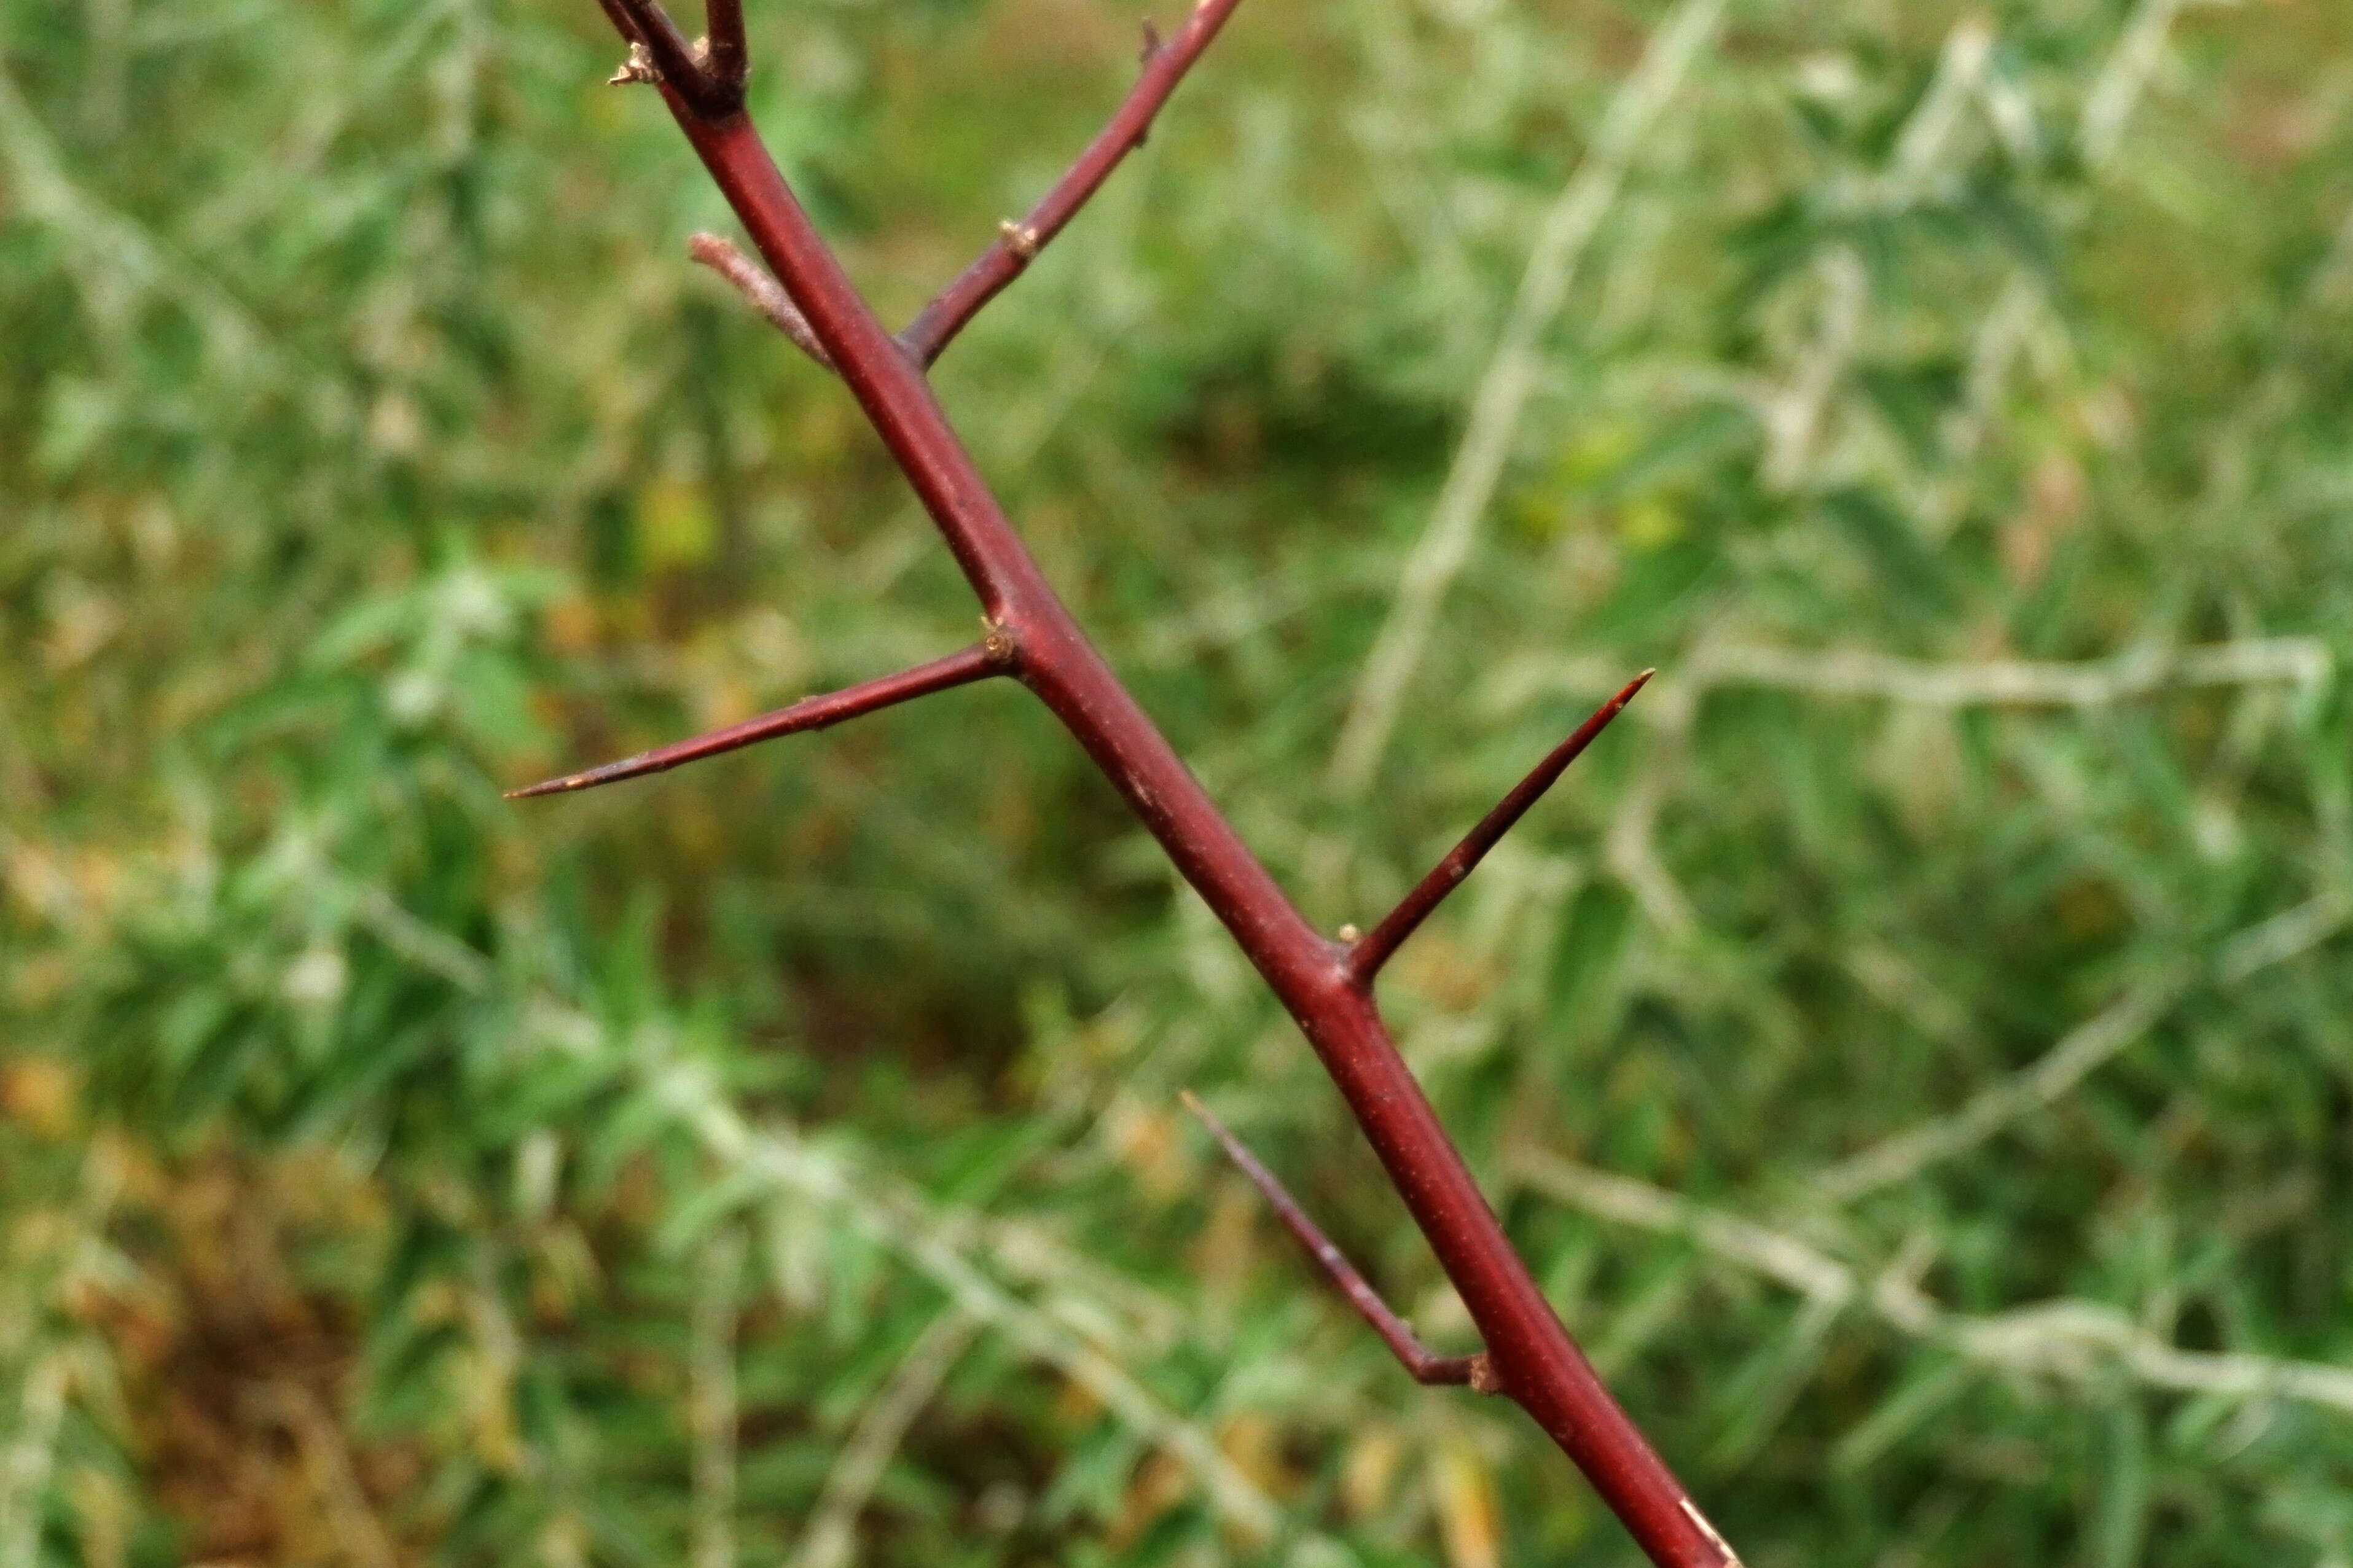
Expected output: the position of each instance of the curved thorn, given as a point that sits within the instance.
(810, 713)
(1366, 958)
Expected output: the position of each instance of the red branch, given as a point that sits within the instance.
(1366, 958)
(1530, 1356)
(1164, 65)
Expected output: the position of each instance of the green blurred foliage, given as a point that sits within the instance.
(1916, 1050)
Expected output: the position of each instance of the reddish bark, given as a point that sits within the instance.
(1529, 1357)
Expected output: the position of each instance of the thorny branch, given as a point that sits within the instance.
(1528, 1356)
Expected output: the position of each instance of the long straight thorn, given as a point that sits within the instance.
(987, 658)
(1366, 956)
(1426, 1365)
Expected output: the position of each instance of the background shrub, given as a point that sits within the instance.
(1914, 1054)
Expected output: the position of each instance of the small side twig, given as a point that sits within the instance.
(1425, 1365)
(712, 1396)
(725, 54)
(1165, 62)
(767, 296)
(992, 657)
(1366, 956)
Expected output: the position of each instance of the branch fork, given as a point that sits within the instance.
(1164, 64)
(1527, 1355)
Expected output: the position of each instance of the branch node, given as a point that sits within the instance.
(1151, 43)
(670, 60)
(1019, 238)
(1349, 933)
(1484, 1379)
(1545, 1372)
(638, 68)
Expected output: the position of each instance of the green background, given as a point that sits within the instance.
(1914, 1048)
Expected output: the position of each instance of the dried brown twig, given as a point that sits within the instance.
(1327, 985)
(767, 296)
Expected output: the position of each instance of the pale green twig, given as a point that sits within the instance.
(830, 1541)
(2083, 1051)
(712, 1372)
(1568, 230)
(2068, 1340)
